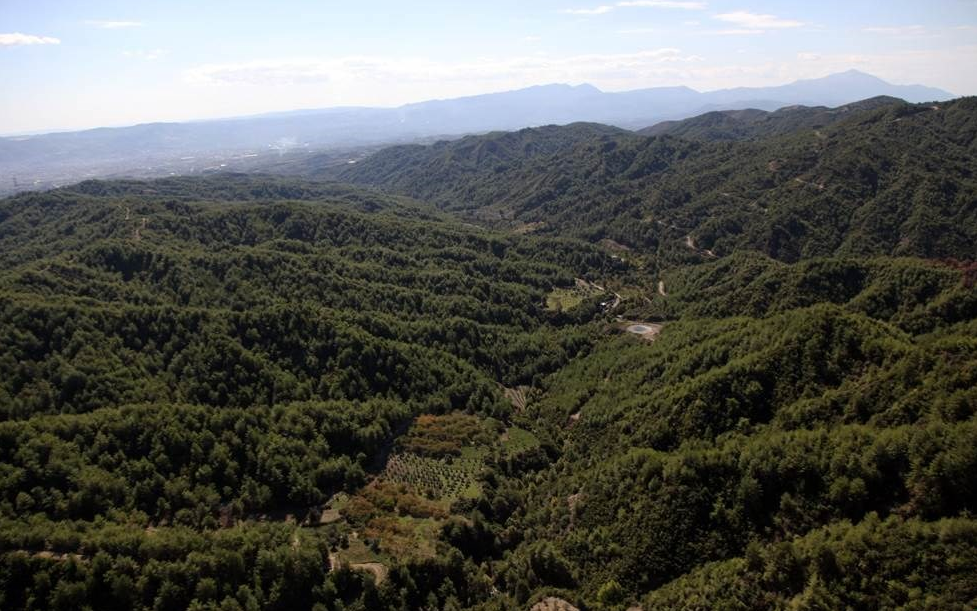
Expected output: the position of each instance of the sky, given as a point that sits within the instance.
(68, 64)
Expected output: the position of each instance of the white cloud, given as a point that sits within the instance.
(531, 39)
(905, 30)
(809, 57)
(148, 55)
(736, 32)
(640, 31)
(600, 10)
(114, 25)
(369, 71)
(16, 39)
(607, 8)
(690, 6)
(745, 20)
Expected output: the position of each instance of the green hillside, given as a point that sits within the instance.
(893, 180)
(735, 369)
(753, 124)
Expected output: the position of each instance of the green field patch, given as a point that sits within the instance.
(357, 551)
(516, 441)
(404, 536)
(564, 299)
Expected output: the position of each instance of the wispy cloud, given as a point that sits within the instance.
(689, 6)
(114, 25)
(607, 8)
(15, 39)
(600, 10)
(639, 31)
(755, 22)
(148, 55)
(903, 30)
(533, 69)
(736, 32)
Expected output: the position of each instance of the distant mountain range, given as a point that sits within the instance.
(753, 123)
(174, 148)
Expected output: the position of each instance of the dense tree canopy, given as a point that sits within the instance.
(882, 178)
(250, 392)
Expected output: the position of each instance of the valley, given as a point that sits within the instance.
(564, 367)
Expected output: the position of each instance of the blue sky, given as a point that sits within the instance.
(70, 64)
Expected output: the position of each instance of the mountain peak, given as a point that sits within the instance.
(581, 88)
(854, 74)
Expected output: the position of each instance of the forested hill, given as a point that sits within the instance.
(188, 355)
(754, 124)
(658, 372)
(892, 180)
(213, 276)
(405, 167)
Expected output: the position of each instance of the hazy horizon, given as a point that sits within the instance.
(321, 108)
(106, 63)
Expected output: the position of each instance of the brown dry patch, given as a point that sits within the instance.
(817, 185)
(572, 502)
(381, 497)
(529, 227)
(379, 571)
(329, 516)
(56, 556)
(613, 245)
(552, 603)
(516, 396)
(573, 419)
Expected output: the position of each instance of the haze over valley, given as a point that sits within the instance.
(269, 142)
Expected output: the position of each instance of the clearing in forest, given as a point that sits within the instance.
(435, 463)
(645, 330)
(564, 299)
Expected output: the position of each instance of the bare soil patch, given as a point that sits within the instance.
(379, 571)
(552, 603)
(516, 396)
(645, 330)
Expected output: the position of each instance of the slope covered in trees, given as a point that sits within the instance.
(249, 392)
(753, 124)
(891, 180)
(189, 353)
